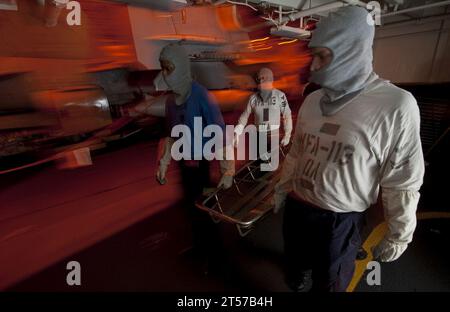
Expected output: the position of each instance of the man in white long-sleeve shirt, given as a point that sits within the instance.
(355, 136)
(268, 105)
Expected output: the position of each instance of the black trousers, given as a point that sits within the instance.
(205, 234)
(324, 241)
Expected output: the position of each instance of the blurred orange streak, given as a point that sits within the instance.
(287, 42)
(258, 45)
(227, 18)
(260, 39)
(262, 49)
(231, 99)
(189, 37)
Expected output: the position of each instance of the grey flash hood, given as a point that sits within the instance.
(265, 89)
(349, 35)
(180, 80)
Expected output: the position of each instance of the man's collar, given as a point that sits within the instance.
(260, 96)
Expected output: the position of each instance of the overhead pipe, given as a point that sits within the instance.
(315, 10)
(323, 8)
(421, 7)
(431, 18)
(337, 4)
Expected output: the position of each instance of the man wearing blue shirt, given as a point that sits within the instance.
(190, 103)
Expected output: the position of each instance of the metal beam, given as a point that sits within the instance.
(417, 8)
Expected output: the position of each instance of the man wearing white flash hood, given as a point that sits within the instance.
(357, 135)
(268, 104)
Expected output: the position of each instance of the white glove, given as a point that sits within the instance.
(236, 140)
(226, 181)
(285, 141)
(387, 251)
(278, 201)
(227, 170)
(161, 174)
(237, 132)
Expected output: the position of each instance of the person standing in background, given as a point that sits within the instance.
(268, 104)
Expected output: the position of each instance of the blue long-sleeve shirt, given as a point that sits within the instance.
(199, 104)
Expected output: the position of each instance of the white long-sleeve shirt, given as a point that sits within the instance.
(267, 113)
(339, 162)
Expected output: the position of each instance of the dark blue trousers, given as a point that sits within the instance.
(324, 241)
(205, 234)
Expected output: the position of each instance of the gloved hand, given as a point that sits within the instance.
(161, 174)
(278, 201)
(387, 251)
(285, 141)
(237, 132)
(226, 181)
(236, 140)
